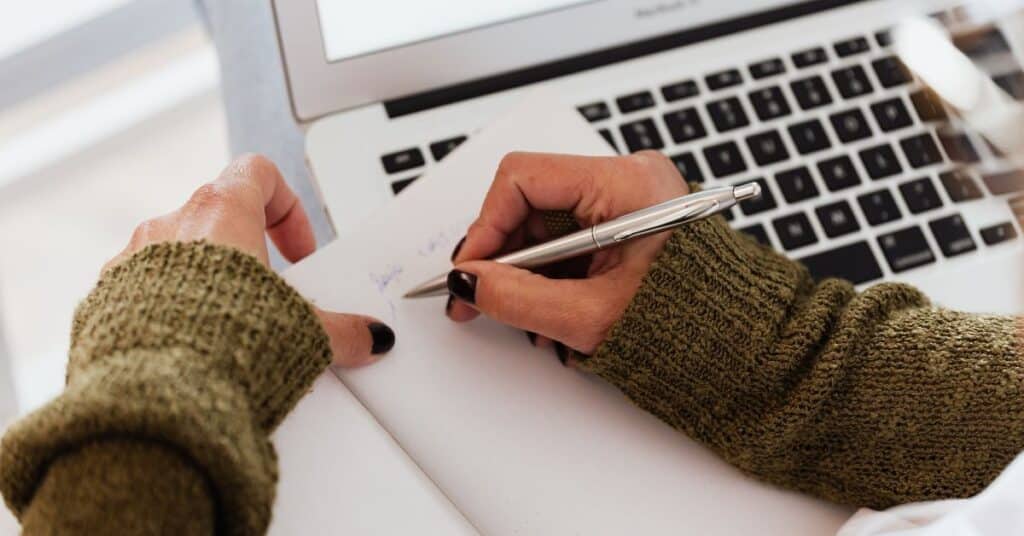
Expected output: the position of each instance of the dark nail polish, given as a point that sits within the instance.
(533, 337)
(448, 306)
(462, 285)
(383, 338)
(563, 353)
(458, 248)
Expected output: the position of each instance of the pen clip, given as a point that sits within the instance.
(693, 212)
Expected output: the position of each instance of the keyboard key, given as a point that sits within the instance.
(811, 92)
(850, 47)
(767, 148)
(635, 101)
(997, 234)
(921, 150)
(928, 106)
(1005, 182)
(977, 45)
(757, 232)
(641, 135)
(838, 173)
(906, 249)
(958, 147)
(761, 204)
(767, 68)
(595, 111)
(685, 125)
(851, 125)
(794, 231)
(881, 162)
(809, 57)
(884, 38)
(796, 185)
(892, 114)
(855, 263)
(687, 165)
(879, 207)
(852, 81)
(404, 160)
(729, 215)
(891, 72)
(607, 135)
(952, 236)
(920, 195)
(960, 185)
(398, 186)
(809, 137)
(724, 79)
(442, 148)
(770, 103)
(680, 91)
(728, 114)
(837, 219)
(1012, 83)
(725, 159)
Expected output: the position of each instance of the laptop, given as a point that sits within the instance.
(865, 173)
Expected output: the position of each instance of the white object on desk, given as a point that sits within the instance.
(518, 443)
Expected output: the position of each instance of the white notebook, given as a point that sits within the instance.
(465, 428)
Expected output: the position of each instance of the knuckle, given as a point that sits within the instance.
(142, 233)
(252, 164)
(207, 197)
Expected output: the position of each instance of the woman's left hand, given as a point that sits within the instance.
(248, 200)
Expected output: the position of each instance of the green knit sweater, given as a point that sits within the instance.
(187, 356)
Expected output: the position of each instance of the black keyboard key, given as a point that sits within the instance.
(641, 135)
(997, 234)
(767, 148)
(928, 106)
(837, 219)
(398, 186)
(1005, 182)
(921, 150)
(920, 195)
(884, 38)
(729, 215)
(794, 231)
(809, 137)
(811, 92)
(685, 125)
(906, 249)
(770, 103)
(760, 204)
(850, 47)
(960, 185)
(796, 185)
(952, 235)
(728, 114)
(607, 135)
(405, 160)
(687, 165)
(809, 57)
(767, 68)
(958, 147)
(757, 232)
(892, 114)
(1012, 83)
(978, 45)
(851, 125)
(839, 173)
(680, 91)
(852, 81)
(724, 79)
(855, 263)
(891, 72)
(442, 148)
(881, 162)
(725, 159)
(595, 111)
(636, 101)
(879, 207)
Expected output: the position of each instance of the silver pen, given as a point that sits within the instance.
(645, 222)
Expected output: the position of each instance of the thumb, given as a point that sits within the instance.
(356, 340)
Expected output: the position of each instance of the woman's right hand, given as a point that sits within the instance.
(575, 313)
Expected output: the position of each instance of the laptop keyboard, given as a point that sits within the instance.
(801, 125)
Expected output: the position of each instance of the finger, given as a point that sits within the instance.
(146, 233)
(356, 340)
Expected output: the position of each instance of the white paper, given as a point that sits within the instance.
(520, 444)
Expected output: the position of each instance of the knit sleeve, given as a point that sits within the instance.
(184, 357)
(870, 399)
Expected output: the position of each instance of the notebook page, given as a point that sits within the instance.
(520, 444)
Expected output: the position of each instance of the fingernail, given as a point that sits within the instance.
(448, 306)
(562, 351)
(462, 285)
(458, 248)
(383, 338)
(533, 337)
